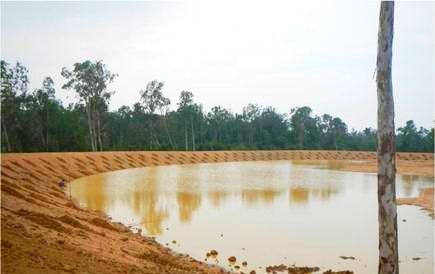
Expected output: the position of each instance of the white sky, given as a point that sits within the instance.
(284, 54)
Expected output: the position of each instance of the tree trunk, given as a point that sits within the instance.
(151, 132)
(41, 134)
(185, 136)
(6, 136)
(94, 130)
(193, 135)
(46, 128)
(387, 212)
(100, 141)
(301, 134)
(165, 124)
(90, 125)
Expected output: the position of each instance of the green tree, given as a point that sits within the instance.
(429, 141)
(14, 86)
(338, 131)
(409, 138)
(37, 121)
(90, 80)
(272, 129)
(191, 116)
(250, 115)
(217, 120)
(42, 104)
(301, 116)
(152, 99)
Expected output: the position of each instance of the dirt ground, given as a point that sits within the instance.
(42, 231)
(425, 200)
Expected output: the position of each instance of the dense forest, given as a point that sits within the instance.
(36, 121)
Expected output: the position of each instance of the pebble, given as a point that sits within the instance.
(416, 258)
(68, 267)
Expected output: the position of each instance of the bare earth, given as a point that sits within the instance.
(425, 200)
(42, 231)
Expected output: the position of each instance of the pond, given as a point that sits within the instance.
(264, 213)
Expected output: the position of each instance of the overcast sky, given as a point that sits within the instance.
(284, 54)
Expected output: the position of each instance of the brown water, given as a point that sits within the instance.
(264, 213)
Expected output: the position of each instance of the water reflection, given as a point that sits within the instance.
(325, 193)
(299, 195)
(187, 204)
(216, 198)
(254, 197)
(323, 164)
(144, 196)
(145, 205)
(277, 200)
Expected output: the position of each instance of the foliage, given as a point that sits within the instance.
(37, 121)
(89, 80)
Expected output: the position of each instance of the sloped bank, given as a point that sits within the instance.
(44, 232)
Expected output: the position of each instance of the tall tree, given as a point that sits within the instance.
(298, 122)
(190, 113)
(250, 114)
(14, 86)
(152, 99)
(339, 131)
(42, 98)
(90, 79)
(272, 129)
(186, 100)
(409, 138)
(217, 119)
(37, 121)
(387, 213)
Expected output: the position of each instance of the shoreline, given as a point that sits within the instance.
(44, 232)
(425, 200)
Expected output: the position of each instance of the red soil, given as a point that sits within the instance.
(42, 231)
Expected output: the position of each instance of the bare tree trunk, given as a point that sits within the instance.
(46, 128)
(151, 132)
(41, 134)
(156, 141)
(250, 134)
(94, 131)
(100, 142)
(5, 134)
(185, 136)
(167, 131)
(301, 134)
(387, 211)
(91, 125)
(193, 134)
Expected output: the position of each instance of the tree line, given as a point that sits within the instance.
(36, 120)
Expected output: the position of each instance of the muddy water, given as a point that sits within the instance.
(263, 213)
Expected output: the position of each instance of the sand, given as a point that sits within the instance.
(425, 200)
(44, 232)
